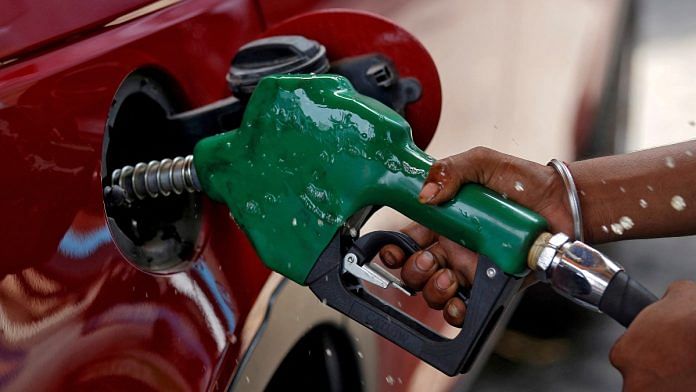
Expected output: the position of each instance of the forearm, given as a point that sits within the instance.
(647, 187)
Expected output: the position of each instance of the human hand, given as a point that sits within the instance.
(658, 350)
(444, 266)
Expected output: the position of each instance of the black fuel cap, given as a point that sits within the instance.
(274, 55)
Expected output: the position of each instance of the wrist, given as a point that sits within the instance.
(594, 210)
(553, 203)
(572, 198)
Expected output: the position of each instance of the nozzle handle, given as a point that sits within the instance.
(624, 298)
(477, 217)
(491, 293)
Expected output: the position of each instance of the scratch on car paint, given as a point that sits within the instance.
(142, 11)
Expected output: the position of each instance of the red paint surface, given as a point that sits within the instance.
(74, 314)
(275, 11)
(27, 25)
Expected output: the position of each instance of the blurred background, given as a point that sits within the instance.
(563, 79)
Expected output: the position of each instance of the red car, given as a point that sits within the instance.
(171, 297)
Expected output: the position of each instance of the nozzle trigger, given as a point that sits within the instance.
(358, 259)
(373, 273)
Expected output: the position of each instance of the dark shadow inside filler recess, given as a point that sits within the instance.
(157, 235)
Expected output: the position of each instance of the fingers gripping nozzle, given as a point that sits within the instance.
(149, 180)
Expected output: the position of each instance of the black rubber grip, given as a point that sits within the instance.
(624, 298)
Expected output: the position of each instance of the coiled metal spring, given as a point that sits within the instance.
(156, 178)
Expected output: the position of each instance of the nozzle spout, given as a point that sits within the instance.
(149, 180)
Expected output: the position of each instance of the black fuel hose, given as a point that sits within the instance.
(624, 298)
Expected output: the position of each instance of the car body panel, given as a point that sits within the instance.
(26, 26)
(74, 313)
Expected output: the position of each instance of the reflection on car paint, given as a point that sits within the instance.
(190, 288)
(78, 245)
(74, 314)
(220, 295)
(53, 299)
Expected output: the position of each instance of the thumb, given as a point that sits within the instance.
(447, 175)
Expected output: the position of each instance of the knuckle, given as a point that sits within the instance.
(435, 304)
(413, 277)
(413, 284)
(616, 355)
(481, 162)
(479, 152)
(680, 286)
(439, 255)
(442, 167)
(432, 297)
(480, 155)
(407, 274)
(432, 302)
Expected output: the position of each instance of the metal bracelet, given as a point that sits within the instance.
(573, 198)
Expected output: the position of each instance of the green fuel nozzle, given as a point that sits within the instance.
(313, 159)
(310, 162)
(311, 152)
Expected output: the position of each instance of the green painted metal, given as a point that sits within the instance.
(311, 152)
